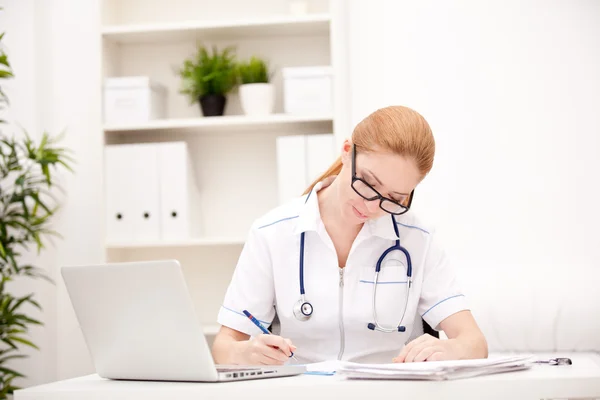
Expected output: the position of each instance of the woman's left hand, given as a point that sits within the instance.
(429, 348)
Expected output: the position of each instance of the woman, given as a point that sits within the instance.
(313, 262)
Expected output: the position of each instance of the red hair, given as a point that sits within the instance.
(397, 129)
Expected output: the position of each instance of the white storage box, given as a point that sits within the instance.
(133, 99)
(307, 90)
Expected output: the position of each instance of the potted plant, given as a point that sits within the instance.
(257, 93)
(26, 205)
(208, 78)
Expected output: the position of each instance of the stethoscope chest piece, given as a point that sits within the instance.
(303, 310)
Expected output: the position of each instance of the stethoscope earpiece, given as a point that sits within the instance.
(374, 327)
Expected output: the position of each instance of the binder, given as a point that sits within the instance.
(119, 211)
(291, 166)
(178, 192)
(320, 152)
(145, 198)
(300, 160)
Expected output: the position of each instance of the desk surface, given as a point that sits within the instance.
(578, 381)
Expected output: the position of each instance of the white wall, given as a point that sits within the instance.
(54, 47)
(76, 79)
(18, 20)
(511, 90)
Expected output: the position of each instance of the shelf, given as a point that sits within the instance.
(211, 330)
(286, 25)
(203, 125)
(181, 243)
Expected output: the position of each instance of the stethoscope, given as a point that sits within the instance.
(303, 309)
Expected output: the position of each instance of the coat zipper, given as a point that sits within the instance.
(341, 314)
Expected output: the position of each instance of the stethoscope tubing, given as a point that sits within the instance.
(376, 325)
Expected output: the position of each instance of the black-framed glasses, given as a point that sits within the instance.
(367, 192)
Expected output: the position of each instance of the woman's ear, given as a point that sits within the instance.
(347, 152)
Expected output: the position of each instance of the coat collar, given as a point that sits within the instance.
(309, 218)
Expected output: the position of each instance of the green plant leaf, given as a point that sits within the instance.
(24, 318)
(27, 201)
(6, 351)
(6, 302)
(14, 331)
(11, 357)
(18, 224)
(64, 164)
(34, 303)
(22, 300)
(207, 73)
(9, 342)
(17, 323)
(11, 372)
(4, 60)
(25, 342)
(38, 201)
(11, 388)
(254, 70)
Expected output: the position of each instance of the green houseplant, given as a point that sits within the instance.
(257, 93)
(26, 205)
(208, 77)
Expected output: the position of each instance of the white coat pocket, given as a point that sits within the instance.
(390, 291)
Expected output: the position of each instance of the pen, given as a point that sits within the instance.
(263, 329)
(555, 361)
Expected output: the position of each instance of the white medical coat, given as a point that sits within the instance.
(266, 281)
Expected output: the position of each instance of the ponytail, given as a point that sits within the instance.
(335, 169)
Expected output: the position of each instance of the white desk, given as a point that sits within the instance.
(578, 381)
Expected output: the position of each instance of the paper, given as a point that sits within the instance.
(328, 367)
(435, 370)
(431, 370)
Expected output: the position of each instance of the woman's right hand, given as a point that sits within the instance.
(264, 350)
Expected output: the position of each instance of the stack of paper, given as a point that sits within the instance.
(435, 370)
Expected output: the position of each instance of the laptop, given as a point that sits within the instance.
(139, 323)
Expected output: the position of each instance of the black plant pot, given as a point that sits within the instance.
(212, 104)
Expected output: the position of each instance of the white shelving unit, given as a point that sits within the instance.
(213, 241)
(315, 24)
(233, 156)
(278, 123)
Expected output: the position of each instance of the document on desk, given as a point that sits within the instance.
(435, 370)
(432, 370)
